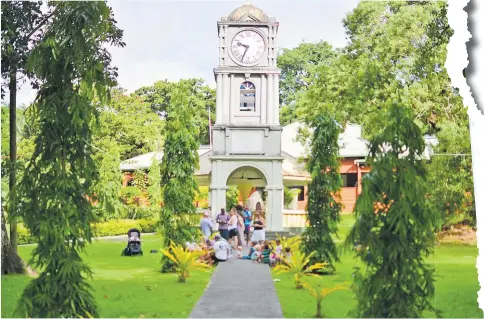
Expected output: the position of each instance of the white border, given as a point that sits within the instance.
(457, 60)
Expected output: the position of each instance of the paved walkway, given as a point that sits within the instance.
(239, 289)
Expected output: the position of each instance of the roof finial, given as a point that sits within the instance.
(247, 3)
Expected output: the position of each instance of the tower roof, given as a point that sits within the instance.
(248, 11)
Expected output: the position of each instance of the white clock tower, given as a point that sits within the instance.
(247, 134)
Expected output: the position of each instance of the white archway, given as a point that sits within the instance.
(244, 174)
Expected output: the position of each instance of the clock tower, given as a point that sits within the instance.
(247, 134)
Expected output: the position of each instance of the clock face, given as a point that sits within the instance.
(247, 47)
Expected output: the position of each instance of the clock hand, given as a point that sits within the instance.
(246, 48)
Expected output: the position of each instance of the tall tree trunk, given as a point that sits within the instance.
(11, 262)
(13, 158)
(318, 309)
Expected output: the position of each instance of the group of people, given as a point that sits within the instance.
(234, 233)
(235, 227)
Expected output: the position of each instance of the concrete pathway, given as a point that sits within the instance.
(239, 289)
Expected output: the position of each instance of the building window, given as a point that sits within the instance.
(300, 195)
(350, 180)
(247, 97)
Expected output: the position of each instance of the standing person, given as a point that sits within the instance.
(247, 222)
(240, 227)
(223, 223)
(259, 234)
(206, 225)
(233, 227)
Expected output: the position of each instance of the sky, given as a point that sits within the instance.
(178, 39)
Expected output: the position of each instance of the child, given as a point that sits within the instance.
(255, 257)
(278, 248)
(239, 252)
(251, 251)
(288, 254)
(266, 256)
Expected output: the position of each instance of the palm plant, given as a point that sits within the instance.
(319, 292)
(185, 260)
(297, 266)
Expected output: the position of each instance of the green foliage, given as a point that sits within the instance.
(107, 187)
(395, 224)
(323, 209)
(231, 197)
(299, 266)
(109, 228)
(140, 180)
(180, 161)
(289, 195)
(298, 67)
(319, 293)
(154, 184)
(73, 65)
(451, 186)
(186, 261)
(399, 46)
(159, 96)
(130, 122)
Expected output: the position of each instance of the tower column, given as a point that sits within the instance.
(218, 97)
(226, 98)
(276, 99)
(233, 91)
(270, 98)
(263, 99)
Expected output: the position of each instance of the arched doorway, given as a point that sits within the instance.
(248, 180)
(247, 175)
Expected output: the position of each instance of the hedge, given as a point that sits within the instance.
(109, 228)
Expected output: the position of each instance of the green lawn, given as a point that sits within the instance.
(456, 284)
(128, 287)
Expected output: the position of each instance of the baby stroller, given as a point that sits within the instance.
(134, 243)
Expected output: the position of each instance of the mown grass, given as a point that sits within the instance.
(129, 287)
(456, 284)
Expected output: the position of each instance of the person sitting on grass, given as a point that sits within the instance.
(251, 251)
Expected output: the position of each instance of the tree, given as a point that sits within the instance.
(22, 23)
(323, 208)
(11, 262)
(73, 66)
(298, 67)
(154, 183)
(159, 97)
(180, 161)
(398, 46)
(107, 187)
(450, 182)
(395, 224)
(129, 121)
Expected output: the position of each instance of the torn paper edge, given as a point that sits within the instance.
(457, 61)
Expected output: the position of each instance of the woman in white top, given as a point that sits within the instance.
(259, 234)
(233, 227)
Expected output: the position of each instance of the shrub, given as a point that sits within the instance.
(109, 228)
(319, 292)
(185, 260)
(297, 266)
